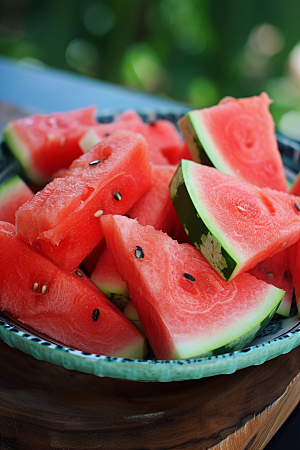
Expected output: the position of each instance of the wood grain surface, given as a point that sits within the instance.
(43, 406)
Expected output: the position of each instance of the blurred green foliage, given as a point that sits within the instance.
(196, 51)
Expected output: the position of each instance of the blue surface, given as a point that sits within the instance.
(46, 89)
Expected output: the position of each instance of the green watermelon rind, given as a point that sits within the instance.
(199, 226)
(237, 337)
(11, 187)
(88, 140)
(21, 153)
(120, 301)
(201, 143)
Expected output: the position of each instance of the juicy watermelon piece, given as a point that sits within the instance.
(61, 305)
(45, 143)
(13, 193)
(233, 223)
(155, 207)
(164, 142)
(238, 138)
(275, 270)
(185, 307)
(62, 220)
(107, 278)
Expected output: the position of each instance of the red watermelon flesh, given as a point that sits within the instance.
(164, 142)
(62, 220)
(155, 207)
(185, 307)
(61, 305)
(13, 193)
(107, 278)
(275, 270)
(238, 138)
(130, 115)
(44, 144)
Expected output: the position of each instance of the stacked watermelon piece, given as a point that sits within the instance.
(174, 251)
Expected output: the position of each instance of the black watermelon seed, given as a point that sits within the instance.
(117, 196)
(106, 134)
(79, 273)
(297, 206)
(96, 161)
(139, 252)
(189, 277)
(96, 314)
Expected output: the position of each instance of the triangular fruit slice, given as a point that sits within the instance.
(155, 207)
(61, 305)
(185, 307)
(62, 220)
(275, 270)
(237, 137)
(107, 278)
(166, 146)
(233, 223)
(45, 143)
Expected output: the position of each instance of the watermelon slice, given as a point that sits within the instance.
(275, 270)
(155, 207)
(13, 193)
(234, 224)
(164, 142)
(237, 137)
(45, 143)
(185, 307)
(62, 220)
(106, 277)
(62, 305)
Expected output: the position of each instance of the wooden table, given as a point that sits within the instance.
(43, 406)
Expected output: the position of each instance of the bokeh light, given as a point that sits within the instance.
(83, 56)
(195, 51)
(142, 68)
(99, 19)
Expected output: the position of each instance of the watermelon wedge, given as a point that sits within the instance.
(233, 223)
(107, 278)
(155, 207)
(164, 142)
(62, 305)
(46, 143)
(275, 270)
(238, 138)
(13, 193)
(62, 220)
(185, 307)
